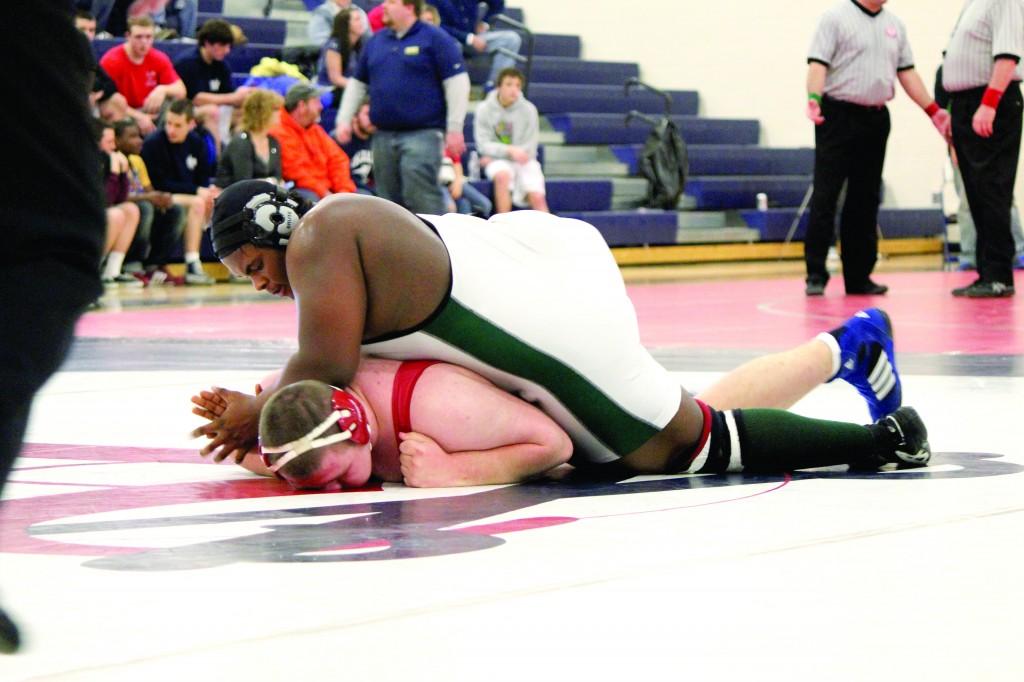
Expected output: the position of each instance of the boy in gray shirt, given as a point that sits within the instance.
(507, 133)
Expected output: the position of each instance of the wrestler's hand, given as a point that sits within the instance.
(424, 463)
(209, 405)
(983, 120)
(235, 431)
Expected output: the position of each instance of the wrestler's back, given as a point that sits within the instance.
(404, 263)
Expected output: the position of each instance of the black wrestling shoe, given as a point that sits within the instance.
(10, 639)
(868, 289)
(905, 438)
(982, 289)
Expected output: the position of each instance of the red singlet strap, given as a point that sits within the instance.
(408, 374)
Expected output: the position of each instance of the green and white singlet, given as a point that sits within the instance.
(538, 306)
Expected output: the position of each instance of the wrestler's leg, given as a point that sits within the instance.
(777, 380)
(766, 440)
(860, 352)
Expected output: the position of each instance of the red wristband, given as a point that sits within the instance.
(991, 97)
(931, 109)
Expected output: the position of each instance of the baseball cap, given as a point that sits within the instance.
(301, 92)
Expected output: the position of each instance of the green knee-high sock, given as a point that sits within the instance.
(776, 440)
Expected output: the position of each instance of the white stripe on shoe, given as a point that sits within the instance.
(882, 378)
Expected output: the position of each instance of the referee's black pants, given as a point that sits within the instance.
(51, 216)
(848, 147)
(988, 166)
(41, 299)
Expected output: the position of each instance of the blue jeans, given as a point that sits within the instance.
(474, 202)
(405, 168)
(181, 15)
(509, 40)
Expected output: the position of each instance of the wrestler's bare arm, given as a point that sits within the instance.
(470, 432)
(326, 276)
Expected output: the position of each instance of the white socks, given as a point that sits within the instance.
(115, 259)
(833, 346)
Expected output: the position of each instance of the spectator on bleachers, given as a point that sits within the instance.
(122, 215)
(309, 157)
(419, 92)
(321, 19)
(181, 16)
(162, 221)
(378, 19)
(461, 18)
(177, 162)
(85, 23)
(111, 15)
(207, 77)
(107, 102)
(360, 150)
(143, 74)
(201, 128)
(507, 133)
(461, 196)
(254, 153)
(340, 53)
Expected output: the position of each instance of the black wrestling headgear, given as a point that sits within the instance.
(255, 212)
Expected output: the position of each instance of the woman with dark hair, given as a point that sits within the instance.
(341, 52)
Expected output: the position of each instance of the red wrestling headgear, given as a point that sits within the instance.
(350, 416)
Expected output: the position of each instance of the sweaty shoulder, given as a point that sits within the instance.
(402, 262)
(357, 216)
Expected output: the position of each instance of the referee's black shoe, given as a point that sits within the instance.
(869, 288)
(815, 287)
(982, 289)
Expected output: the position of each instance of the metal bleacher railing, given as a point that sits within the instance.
(530, 43)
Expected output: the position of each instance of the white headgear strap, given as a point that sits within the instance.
(310, 441)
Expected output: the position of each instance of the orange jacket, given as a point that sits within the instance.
(311, 159)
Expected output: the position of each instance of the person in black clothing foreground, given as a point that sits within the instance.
(53, 221)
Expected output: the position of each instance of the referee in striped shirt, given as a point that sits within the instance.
(982, 73)
(857, 53)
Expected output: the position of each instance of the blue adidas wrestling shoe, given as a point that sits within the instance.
(868, 362)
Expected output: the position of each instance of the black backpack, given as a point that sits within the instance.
(665, 164)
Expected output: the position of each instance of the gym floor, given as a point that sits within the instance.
(125, 556)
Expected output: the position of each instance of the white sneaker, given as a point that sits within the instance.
(123, 280)
(200, 278)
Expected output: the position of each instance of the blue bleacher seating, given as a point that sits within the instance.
(612, 129)
(774, 224)
(554, 45)
(720, 159)
(563, 70)
(719, 192)
(553, 98)
(631, 228)
(211, 6)
(565, 194)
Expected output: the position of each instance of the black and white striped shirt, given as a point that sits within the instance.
(863, 52)
(985, 31)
